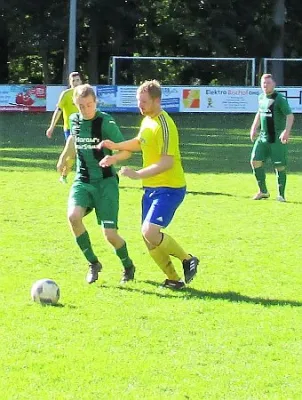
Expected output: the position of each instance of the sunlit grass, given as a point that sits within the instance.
(234, 333)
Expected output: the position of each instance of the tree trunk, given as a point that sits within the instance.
(4, 75)
(65, 65)
(93, 51)
(278, 46)
(43, 53)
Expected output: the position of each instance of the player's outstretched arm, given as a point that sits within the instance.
(165, 163)
(127, 145)
(107, 161)
(55, 118)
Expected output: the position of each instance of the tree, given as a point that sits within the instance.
(278, 44)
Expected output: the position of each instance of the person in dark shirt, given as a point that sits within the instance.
(94, 187)
(275, 119)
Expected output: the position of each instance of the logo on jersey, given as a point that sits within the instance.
(86, 143)
(266, 110)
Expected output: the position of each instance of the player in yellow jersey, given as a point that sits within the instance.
(163, 182)
(66, 107)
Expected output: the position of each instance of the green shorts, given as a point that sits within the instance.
(263, 150)
(102, 196)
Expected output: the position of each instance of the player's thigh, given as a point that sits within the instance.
(106, 199)
(161, 204)
(260, 151)
(80, 196)
(279, 154)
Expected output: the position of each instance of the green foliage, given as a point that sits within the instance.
(38, 31)
(234, 333)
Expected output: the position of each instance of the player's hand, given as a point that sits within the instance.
(107, 161)
(49, 133)
(284, 137)
(108, 144)
(129, 172)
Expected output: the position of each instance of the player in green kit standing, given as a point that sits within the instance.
(275, 119)
(94, 187)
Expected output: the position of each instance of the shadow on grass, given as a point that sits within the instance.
(210, 193)
(233, 297)
(208, 143)
(49, 305)
(194, 193)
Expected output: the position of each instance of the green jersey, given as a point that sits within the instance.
(87, 135)
(273, 109)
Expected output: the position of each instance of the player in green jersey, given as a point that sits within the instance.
(275, 119)
(94, 187)
(65, 107)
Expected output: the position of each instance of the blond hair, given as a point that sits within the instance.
(73, 74)
(152, 88)
(265, 76)
(83, 91)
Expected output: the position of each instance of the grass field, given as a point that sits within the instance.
(234, 333)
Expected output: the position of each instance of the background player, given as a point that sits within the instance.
(67, 107)
(276, 119)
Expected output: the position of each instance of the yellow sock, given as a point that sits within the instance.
(164, 262)
(170, 246)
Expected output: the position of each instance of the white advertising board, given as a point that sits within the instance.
(193, 99)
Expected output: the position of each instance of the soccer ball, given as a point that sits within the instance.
(45, 291)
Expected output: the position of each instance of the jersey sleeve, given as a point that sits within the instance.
(111, 130)
(284, 106)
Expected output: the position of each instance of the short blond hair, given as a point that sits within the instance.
(73, 74)
(264, 76)
(84, 90)
(152, 88)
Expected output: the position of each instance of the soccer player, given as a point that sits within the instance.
(67, 107)
(275, 119)
(163, 181)
(94, 187)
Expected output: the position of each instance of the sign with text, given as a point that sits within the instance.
(192, 99)
(23, 98)
(219, 99)
(183, 99)
(123, 98)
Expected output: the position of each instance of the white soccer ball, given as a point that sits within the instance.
(45, 291)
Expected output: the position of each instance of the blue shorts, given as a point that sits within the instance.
(159, 204)
(67, 133)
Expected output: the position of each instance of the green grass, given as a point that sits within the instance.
(234, 333)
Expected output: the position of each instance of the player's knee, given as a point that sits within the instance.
(150, 236)
(256, 164)
(145, 232)
(74, 217)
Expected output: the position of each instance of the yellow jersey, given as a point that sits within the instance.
(159, 136)
(67, 106)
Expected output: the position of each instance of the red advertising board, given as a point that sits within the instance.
(23, 98)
